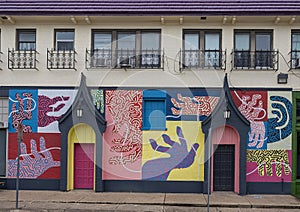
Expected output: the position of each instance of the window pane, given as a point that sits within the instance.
(191, 41)
(150, 40)
(102, 40)
(296, 41)
(65, 36)
(242, 41)
(26, 46)
(65, 45)
(212, 41)
(263, 42)
(126, 41)
(27, 36)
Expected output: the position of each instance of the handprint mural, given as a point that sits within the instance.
(176, 154)
(40, 156)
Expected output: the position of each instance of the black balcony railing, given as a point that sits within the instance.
(267, 60)
(295, 59)
(203, 59)
(61, 59)
(105, 58)
(22, 59)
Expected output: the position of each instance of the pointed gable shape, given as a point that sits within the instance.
(83, 100)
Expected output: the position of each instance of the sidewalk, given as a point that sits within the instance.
(84, 200)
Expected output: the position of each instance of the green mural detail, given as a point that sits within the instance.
(98, 99)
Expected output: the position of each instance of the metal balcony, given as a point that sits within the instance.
(124, 58)
(295, 59)
(61, 59)
(22, 59)
(259, 60)
(203, 59)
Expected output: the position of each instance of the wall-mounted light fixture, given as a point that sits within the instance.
(226, 113)
(282, 78)
(79, 112)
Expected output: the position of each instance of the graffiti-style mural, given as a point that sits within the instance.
(175, 154)
(122, 155)
(23, 109)
(279, 120)
(40, 156)
(253, 105)
(269, 140)
(269, 165)
(98, 99)
(52, 104)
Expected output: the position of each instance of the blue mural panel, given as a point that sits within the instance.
(23, 108)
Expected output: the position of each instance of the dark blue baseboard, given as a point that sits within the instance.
(153, 186)
(34, 184)
(268, 188)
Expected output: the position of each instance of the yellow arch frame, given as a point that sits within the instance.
(80, 133)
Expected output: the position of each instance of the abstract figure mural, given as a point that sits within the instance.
(280, 127)
(23, 109)
(269, 165)
(123, 136)
(52, 104)
(180, 157)
(197, 105)
(269, 143)
(253, 108)
(175, 154)
(41, 160)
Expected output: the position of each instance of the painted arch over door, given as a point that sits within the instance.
(78, 134)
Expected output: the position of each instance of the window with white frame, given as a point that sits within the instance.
(26, 39)
(125, 49)
(64, 39)
(253, 49)
(295, 49)
(202, 49)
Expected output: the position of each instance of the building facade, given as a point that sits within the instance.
(187, 96)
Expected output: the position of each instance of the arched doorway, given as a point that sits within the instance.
(225, 159)
(81, 157)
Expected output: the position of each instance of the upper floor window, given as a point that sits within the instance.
(125, 49)
(26, 39)
(64, 39)
(254, 49)
(295, 52)
(202, 49)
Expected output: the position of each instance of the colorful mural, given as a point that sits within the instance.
(39, 112)
(23, 107)
(122, 155)
(40, 155)
(98, 99)
(52, 104)
(269, 139)
(175, 154)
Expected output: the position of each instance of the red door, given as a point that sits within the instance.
(84, 166)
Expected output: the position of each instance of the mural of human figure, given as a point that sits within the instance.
(180, 158)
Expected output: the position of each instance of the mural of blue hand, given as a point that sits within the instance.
(280, 127)
(180, 157)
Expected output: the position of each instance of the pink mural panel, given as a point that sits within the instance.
(40, 155)
(269, 166)
(122, 146)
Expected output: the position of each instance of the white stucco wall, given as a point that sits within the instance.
(171, 41)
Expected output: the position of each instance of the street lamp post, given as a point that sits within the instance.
(20, 137)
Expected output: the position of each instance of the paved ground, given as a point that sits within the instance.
(83, 200)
